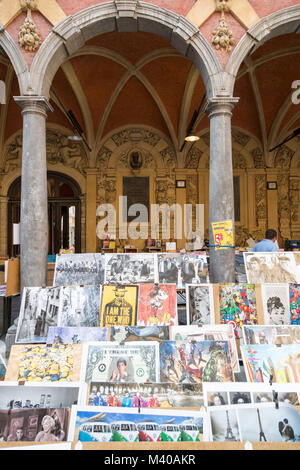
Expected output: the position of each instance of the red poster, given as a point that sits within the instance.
(157, 305)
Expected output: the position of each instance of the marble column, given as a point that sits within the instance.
(221, 194)
(34, 202)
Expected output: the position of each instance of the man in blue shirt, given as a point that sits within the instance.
(268, 243)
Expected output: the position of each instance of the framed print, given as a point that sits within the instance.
(276, 305)
(182, 269)
(77, 335)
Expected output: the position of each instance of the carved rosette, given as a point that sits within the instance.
(29, 34)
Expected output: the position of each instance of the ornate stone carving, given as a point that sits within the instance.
(61, 150)
(223, 5)
(284, 206)
(165, 191)
(261, 197)
(135, 135)
(193, 158)
(258, 158)
(295, 199)
(103, 157)
(238, 161)
(242, 234)
(169, 158)
(13, 155)
(283, 157)
(110, 190)
(240, 138)
(29, 34)
(222, 36)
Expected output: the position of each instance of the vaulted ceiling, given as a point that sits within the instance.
(123, 79)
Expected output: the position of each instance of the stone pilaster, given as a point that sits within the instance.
(221, 195)
(34, 202)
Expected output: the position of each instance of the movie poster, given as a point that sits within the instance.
(238, 306)
(276, 307)
(157, 305)
(119, 305)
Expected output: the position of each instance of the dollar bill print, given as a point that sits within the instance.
(118, 363)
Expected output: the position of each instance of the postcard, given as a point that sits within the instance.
(76, 335)
(135, 395)
(38, 311)
(129, 362)
(255, 423)
(80, 306)
(182, 269)
(238, 306)
(157, 305)
(223, 332)
(103, 424)
(264, 268)
(40, 395)
(263, 362)
(271, 334)
(79, 269)
(123, 334)
(44, 363)
(276, 305)
(195, 361)
(119, 305)
(36, 424)
(200, 304)
(130, 268)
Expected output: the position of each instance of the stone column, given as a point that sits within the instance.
(34, 202)
(221, 195)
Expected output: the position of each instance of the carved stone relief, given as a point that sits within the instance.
(295, 199)
(193, 158)
(284, 207)
(260, 197)
(283, 157)
(258, 158)
(61, 150)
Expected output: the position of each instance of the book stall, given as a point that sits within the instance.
(109, 357)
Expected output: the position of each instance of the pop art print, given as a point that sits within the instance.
(157, 305)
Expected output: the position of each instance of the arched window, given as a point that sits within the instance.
(64, 213)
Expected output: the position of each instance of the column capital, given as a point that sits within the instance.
(220, 105)
(34, 104)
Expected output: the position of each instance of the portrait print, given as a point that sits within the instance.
(38, 312)
(182, 269)
(271, 334)
(265, 268)
(119, 305)
(200, 306)
(157, 305)
(79, 269)
(275, 299)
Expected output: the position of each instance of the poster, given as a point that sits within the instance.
(123, 334)
(195, 361)
(157, 305)
(130, 268)
(223, 234)
(263, 362)
(200, 304)
(276, 305)
(80, 306)
(238, 306)
(294, 299)
(102, 424)
(271, 334)
(76, 335)
(119, 305)
(79, 269)
(129, 362)
(264, 268)
(182, 268)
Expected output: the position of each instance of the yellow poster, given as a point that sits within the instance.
(118, 305)
(223, 234)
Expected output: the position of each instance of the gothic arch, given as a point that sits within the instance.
(16, 59)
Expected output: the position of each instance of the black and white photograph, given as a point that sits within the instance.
(37, 395)
(271, 334)
(265, 268)
(130, 268)
(266, 423)
(39, 311)
(276, 304)
(80, 306)
(123, 334)
(200, 304)
(80, 269)
(36, 424)
(224, 424)
(217, 398)
(182, 269)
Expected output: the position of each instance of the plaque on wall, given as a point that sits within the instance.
(137, 191)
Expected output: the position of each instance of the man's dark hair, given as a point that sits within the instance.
(274, 302)
(270, 234)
